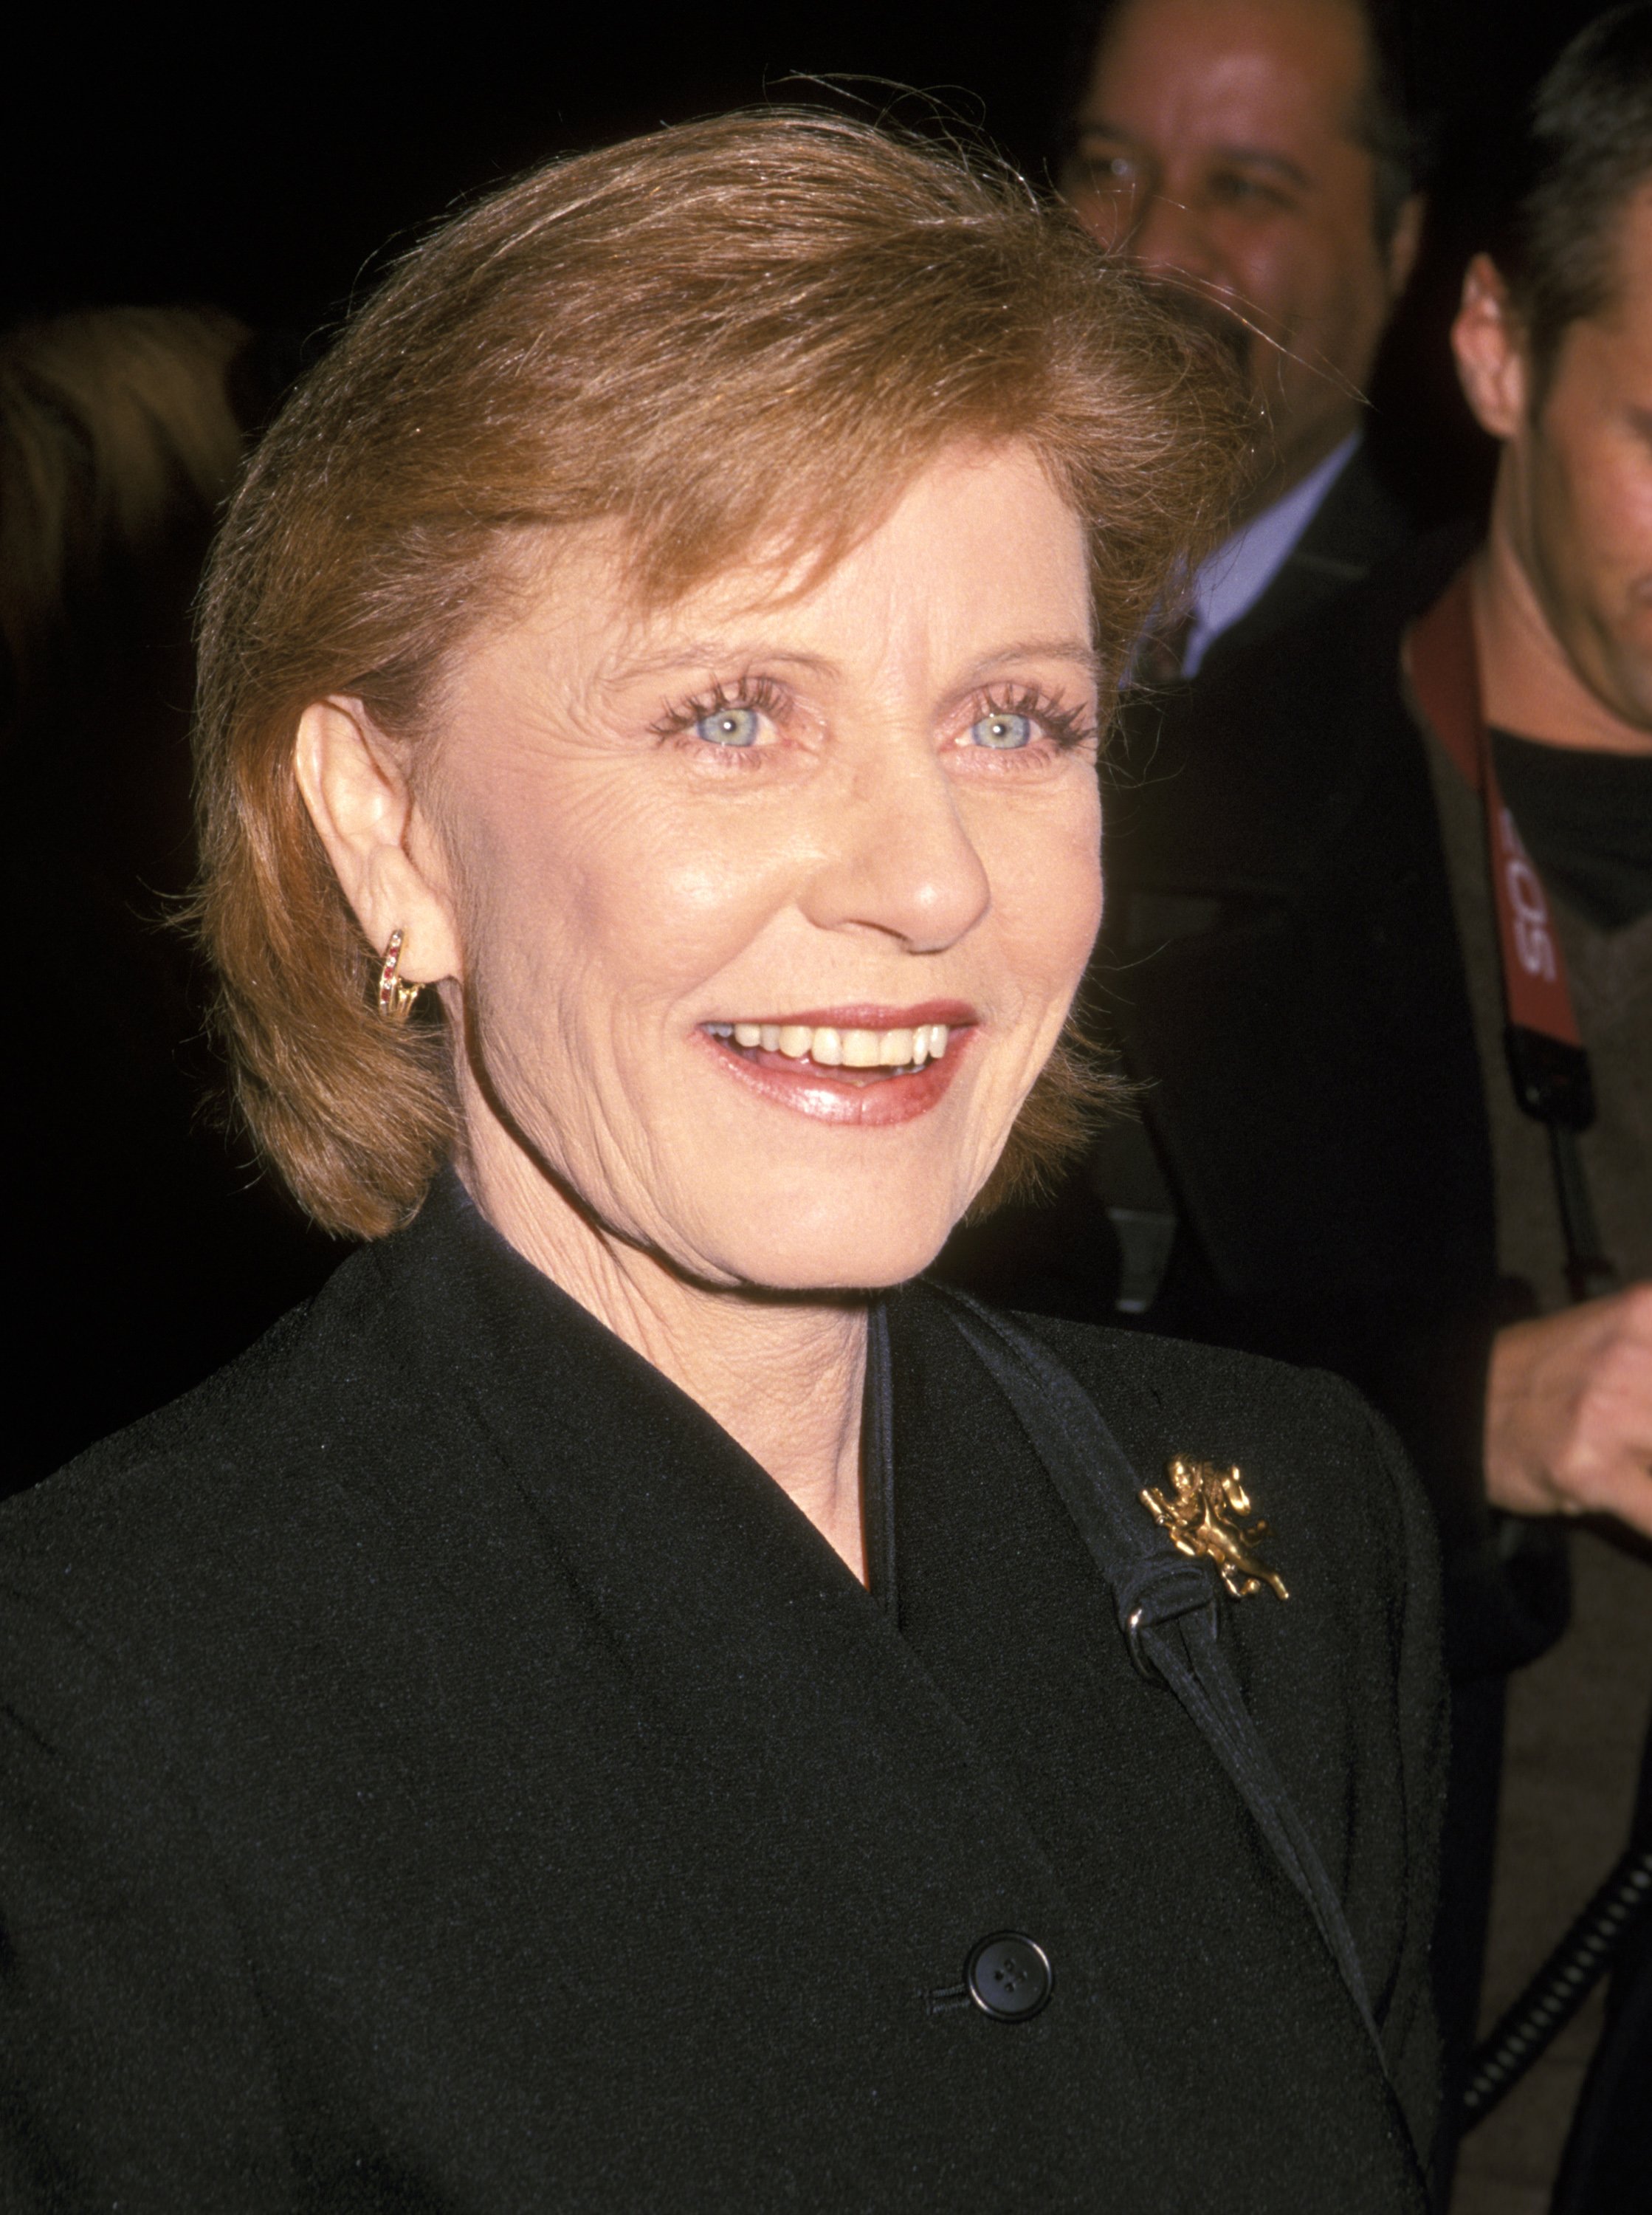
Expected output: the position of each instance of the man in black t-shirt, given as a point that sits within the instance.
(1556, 359)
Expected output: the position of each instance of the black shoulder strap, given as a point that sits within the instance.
(1167, 1604)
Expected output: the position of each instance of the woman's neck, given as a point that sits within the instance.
(784, 1376)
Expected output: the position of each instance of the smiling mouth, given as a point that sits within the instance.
(864, 1066)
(854, 1055)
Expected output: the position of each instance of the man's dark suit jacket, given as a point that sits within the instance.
(439, 1770)
(1280, 962)
(1357, 526)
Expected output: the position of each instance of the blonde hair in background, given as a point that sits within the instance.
(114, 422)
(739, 337)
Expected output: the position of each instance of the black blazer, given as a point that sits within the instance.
(439, 1770)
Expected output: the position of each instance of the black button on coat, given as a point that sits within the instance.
(439, 1770)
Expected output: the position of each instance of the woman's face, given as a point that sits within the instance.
(770, 909)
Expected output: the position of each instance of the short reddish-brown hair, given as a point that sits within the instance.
(744, 332)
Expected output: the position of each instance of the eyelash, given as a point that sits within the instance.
(1065, 727)
(760, 693)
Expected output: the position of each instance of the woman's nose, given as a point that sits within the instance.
(899, 859)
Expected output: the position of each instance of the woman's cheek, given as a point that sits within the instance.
(1053, 898)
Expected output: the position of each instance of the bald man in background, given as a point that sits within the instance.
(1259, 150)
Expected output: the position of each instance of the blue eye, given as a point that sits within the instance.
(1001, 730)
(729, 726)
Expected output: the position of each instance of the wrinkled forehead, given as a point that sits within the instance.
(977, 554)
(645, 580)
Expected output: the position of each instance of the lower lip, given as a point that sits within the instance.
(830, 1097)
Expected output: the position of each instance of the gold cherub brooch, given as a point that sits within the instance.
(1202, 1512)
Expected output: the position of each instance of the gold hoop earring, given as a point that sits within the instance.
(395, 999)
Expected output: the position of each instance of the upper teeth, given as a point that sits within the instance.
(837, 1049)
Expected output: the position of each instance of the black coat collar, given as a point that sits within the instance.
(645, 1491)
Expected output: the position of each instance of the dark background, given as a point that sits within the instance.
(265, 160)
(269, 162)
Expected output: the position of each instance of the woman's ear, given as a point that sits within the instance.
(1490, 350)
(359, 801)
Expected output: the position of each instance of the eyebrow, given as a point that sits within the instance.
(1043, 649)
(1247, 157)
(704, 653)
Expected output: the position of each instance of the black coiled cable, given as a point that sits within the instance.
(1526, 2028)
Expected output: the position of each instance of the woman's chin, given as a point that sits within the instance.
(864, 1254)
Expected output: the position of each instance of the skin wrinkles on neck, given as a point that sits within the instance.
(776, 1374)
